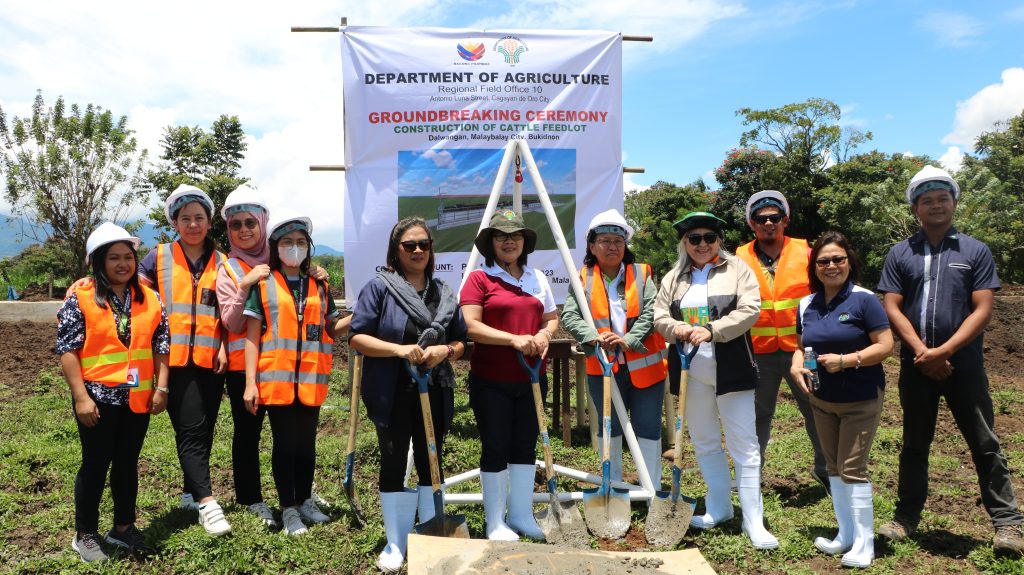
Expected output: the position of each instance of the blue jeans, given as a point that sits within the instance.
(642, 405)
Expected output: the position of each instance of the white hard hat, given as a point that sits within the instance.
(186, 190)
(242, 196)
(286, 216)
(931, 174)
(611, 217)
(108, 233)
(766, 197)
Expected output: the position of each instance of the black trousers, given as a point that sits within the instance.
(114, 443)
(407, 422)
(967, 395)
(293, 458)
(245, 442)
(192, 404)
(507, 420)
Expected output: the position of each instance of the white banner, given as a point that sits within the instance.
(428, 112)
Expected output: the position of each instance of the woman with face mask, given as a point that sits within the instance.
(291, 325)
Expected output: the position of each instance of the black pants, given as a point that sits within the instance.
(507, 420)
(294, 456)
(192, 404)
(967, 396)
(245, 442)
(407, 422)
(113, 443)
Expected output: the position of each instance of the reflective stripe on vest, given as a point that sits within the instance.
(289, 364)
(645, 369)
(236, 341)
(104, 359)
(780, 299)
(194, 323)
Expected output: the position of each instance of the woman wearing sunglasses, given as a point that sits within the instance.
(711, 299)
(847, 328)
(508, 308)
(620, 293)
(404, 315)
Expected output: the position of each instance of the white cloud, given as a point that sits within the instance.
(991, 104)
(951, 28)
(953, 159)
(442, 159)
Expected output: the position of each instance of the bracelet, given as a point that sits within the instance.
(163, 389)
(841, 368)
(451, 352)
(858, 360)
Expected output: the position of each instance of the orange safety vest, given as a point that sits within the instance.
(236, 341)
(645, 369)
(105, 359)
(780, 299)
(191, 306)
(295, 351)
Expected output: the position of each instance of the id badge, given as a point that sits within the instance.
(312, 332)
(133, 377)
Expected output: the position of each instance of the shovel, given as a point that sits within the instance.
(561, 522)
(669, 515)
(350, 452)
(440, 525)
(607, 507)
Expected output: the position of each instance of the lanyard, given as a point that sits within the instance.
(121, 311)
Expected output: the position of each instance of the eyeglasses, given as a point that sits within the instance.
(773, 218)
(611, 244)
(708, 238)
(503, 237)
(250, 224)
(410, 245)
(834, 260)
(293, 243)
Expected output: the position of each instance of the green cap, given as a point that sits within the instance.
(699, 220)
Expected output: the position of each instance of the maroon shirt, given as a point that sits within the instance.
(509, 308)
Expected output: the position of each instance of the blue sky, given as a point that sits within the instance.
(923, 77)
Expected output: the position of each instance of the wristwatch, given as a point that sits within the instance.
(163, 389)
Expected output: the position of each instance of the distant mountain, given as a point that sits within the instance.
(325, 250)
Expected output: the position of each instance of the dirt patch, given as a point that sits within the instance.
(27, 349)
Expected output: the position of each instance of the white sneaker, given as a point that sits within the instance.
(211, 517)
(311, 513)
(262, 511)
(188, 503)
(293, 524)
(320, 501)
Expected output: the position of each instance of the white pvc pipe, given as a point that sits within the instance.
(461, 478)
(492, 204)
(477, 498)
(589, 477)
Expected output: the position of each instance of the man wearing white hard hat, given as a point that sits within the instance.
(113, 341)
(620, 293)
(939, 288)
(780, 264)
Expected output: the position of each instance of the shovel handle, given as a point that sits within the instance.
(606, 401)
(422, 380)
(685, 357)
(353, 404)
(538, 404)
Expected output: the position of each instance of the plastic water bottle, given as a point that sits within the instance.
(811, 364)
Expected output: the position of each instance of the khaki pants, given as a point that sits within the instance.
(846, 431)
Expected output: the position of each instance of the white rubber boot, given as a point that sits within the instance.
(841, 503)
(399, 511)
(751, 505)
(520, 501)
(718, 502)
(494, 485)
(862, 510)
(425, 503)
(651, 451)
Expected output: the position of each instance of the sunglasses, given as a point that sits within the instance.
(773, 218)
(502, 237)
(410, 245)
(708, 238)
(834, 260)
(250, 224)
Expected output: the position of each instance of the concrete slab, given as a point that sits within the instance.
(44, 311)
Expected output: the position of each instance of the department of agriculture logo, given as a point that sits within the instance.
(844, 317)
(511, 48)
(471, 50)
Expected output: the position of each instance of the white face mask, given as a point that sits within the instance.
(292, 256)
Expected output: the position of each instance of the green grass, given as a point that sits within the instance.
(39, 456)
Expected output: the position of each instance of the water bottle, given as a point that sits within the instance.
(811, 364)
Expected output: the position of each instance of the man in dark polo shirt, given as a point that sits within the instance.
(939, 286)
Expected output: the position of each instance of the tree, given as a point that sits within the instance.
(68, 170)
(208, 160)
(1002, 152)
(651, 212)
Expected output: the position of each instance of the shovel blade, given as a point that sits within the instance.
(607, 511)
(350, 491)
(668, 520)
(562, 524)
(444, 526)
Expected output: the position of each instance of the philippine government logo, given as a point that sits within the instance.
(511, 48)
(471, 50)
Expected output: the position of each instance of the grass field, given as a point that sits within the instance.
(39, 456)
